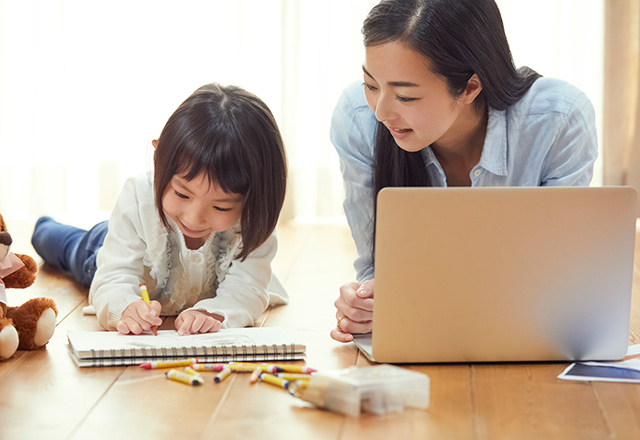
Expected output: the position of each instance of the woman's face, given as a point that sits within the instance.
(409, 99)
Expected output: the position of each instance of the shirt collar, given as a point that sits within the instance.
(494, 150)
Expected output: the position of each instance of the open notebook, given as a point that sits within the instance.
(97, 349)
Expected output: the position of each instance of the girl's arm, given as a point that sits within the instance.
(120, 260)
(243, 294)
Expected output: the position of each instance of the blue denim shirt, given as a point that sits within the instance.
(547, 138)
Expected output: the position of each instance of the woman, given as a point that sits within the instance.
(442, 104)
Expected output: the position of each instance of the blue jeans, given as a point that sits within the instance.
(69, 248)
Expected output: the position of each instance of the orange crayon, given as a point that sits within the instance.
(255, 375)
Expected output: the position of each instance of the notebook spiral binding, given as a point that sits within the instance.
(246, 353)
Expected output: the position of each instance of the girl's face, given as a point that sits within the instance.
(200, 208)
(409, 99)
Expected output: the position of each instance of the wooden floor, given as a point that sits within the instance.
(45, 396)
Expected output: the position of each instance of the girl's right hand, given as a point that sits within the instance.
(139, 317)
(355, 311)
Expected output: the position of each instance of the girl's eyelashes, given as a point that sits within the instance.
(217, 208)
(179, 194)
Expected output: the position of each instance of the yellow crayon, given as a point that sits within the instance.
(294, 376)
(243, 368)
(273, 380)
(266, 368)
(182, 377)
(302, 369)
(169, 364)
(226, 371)
(208, 367)
(190, 371)
(145, 297)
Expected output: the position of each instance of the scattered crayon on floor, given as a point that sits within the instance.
(185, 378)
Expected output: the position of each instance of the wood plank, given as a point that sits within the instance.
(528, 401)
(620, 403)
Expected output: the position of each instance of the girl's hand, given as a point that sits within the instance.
(355, 311)
(139, 317)
(197, 321)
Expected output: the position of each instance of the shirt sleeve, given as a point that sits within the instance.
(575, 148)
(353, 127)
(120, 261)
(243, 294)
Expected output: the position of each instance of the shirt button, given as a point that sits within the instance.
(195, 258)
(194, 290)
(477, 173)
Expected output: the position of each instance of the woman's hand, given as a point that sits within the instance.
(197, 321)
(355, 311)
(139, 317)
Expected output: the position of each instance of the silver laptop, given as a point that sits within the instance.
(502, 274)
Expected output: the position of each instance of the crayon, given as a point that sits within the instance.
(226, 371)
(273, 380)
(145, 297)
(294, 368)
(182, 377)
(169, 364)
(266, 368)
(244, 368)
(208, 367)
(190, 371)
(255, 375)
(293, 376)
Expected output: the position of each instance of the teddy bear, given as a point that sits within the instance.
(30, 325)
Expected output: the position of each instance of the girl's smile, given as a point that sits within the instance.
(200, 208)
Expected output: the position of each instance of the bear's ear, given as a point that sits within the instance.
(3, 225)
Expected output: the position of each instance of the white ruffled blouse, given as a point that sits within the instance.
(138, 248)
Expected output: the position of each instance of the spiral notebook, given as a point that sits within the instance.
(98, 349)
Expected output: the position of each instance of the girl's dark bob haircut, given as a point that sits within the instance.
(231, 136)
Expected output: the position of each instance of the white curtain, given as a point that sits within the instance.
(86, 85)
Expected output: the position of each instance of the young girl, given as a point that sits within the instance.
(199, 232)
(443, 105)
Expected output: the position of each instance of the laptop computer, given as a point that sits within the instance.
(502, 274)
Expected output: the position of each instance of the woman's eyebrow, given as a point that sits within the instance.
(392, 83)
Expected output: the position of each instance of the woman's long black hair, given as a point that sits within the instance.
(459, 38)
